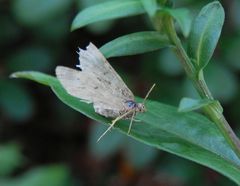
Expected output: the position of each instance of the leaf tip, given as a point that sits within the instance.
(14, 75)
(73, 27)
(76, 23)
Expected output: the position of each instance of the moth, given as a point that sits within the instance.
(98, 83)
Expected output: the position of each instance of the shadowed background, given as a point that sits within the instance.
(43, 142)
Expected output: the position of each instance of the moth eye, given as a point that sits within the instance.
(141, 108)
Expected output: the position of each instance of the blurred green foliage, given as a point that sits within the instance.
(54, 175)
(35, 13)
(35, 35)
(15, 101)
(10, 158)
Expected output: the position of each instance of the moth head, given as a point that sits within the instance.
(140, 107)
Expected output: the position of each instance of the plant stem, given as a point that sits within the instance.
(213, 111)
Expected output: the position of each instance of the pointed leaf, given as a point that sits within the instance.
(205, 32)
(189, 135)
(35, 76)
(106, 11)
(135, 43)
(189, 104)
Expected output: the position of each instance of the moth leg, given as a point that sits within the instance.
(109, 128)
(113, 123)
(130, 125)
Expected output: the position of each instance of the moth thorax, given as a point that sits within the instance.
(138, 107)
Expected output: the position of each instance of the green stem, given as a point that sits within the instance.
(213, 111)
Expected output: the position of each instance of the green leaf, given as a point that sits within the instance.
(135, 43)
(183, 18)
(96, 28)
(150, 6)
(205, 32)
(35, 76)
(189, 104)
(106, 11)
(189, 135)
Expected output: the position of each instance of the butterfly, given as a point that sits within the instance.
(98, 83)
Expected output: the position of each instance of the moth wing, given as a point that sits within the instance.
(84, 86)
(108, 110)
(92, 61)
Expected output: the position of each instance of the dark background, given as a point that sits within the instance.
(44, 142)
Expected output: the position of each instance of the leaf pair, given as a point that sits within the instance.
(204, 34)
(120, 9)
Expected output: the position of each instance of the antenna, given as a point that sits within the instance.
(150, 90)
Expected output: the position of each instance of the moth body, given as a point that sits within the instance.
(128, 106)
(97, 82)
